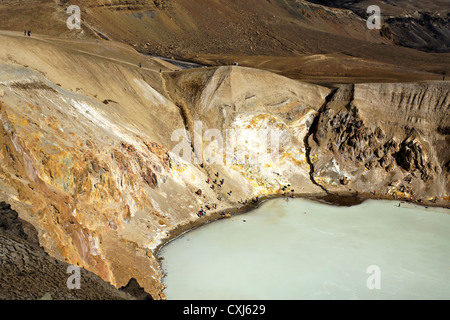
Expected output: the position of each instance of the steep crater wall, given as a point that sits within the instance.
(388, 138)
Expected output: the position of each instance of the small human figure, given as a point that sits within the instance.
(29, 33)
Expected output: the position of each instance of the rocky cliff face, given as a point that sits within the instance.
(260, 34)
(88, 154)
(421, 31)
(391, 138)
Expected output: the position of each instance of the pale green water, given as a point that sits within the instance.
(282, 253)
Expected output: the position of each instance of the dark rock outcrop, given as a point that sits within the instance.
(134, 289)
(28, 273)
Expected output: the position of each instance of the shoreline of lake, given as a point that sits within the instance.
(343, 199)
(337, 238)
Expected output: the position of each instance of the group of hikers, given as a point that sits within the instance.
(27, 32)
(202, 211)
(219, 183)
(243, 202)
(286, 190)
(395, 196)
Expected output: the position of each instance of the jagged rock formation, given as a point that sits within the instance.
(28, 272)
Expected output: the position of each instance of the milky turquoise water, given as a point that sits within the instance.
(302, 249)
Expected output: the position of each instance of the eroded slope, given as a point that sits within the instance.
(389, 138)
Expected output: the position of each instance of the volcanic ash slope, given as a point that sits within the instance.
(86, 150)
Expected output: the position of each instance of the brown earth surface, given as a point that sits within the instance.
(87, 147)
